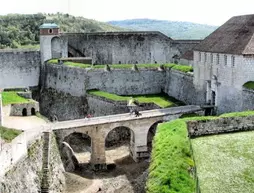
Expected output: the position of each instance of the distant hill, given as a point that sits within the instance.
(19, 30)
(173, 29)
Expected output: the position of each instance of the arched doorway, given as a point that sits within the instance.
(24, 112)
(56, 47)
(81, 146)
(151, 134)
(33, 111)
(117, 145)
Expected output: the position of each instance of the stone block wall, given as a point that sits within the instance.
(27, 174)
(180, 86)
(119, 81)
(221, 125)
(19, 68)
(24, 109)
(123, 47)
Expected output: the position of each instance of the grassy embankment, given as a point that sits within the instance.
(172, 159)
(161, 100)
(11, 97)
(8, 134)
(181, 68)
(249, 85)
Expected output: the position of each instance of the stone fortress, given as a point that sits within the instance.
(222, 64)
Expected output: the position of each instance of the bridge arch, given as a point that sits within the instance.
(81, 144)
(151, 133)
(118, 141)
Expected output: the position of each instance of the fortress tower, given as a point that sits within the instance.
(52, 44)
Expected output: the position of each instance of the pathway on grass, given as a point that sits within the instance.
(225, 162)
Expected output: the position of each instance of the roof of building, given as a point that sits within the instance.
(236, 36)
(48, 25)
(188, 55)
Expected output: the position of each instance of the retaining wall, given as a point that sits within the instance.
(221, 125)
(19, 68)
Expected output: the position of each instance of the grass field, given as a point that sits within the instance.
(181, 68)
(8, 134)
(225, 163)
(159, 99)
(11, 97)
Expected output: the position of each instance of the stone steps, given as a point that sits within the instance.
(45, 163)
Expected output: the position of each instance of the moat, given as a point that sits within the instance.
(125, 176)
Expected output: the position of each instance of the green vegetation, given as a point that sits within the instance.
(249, 85)
(173, 29)
(187, 115)
(8, 134)
(161, 100)
(22, 31)
(238, 114)
(11, 97)
(225, 162)
(181, 68)
(171, 160)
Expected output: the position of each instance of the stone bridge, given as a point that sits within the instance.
(98, 128)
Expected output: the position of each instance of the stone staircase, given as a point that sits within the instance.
(45, 163)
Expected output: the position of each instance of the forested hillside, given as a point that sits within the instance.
(18, 30)
(173, 29)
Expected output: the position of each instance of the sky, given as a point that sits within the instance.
(212, 12)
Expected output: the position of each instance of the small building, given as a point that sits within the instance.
(224, 62)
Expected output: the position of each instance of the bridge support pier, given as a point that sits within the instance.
(98, 158)
(139, 152)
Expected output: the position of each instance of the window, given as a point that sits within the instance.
(217, 59)
(205, 57)
(211, 58)
(233, 61)
(50, 31)
(199, 56)
(225, 60)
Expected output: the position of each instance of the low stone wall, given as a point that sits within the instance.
(25, 173)
(221, 125)
(100, 106)
(24, 109)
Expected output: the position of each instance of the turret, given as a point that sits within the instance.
(52, 45)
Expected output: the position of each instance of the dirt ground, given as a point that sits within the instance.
(127, 177)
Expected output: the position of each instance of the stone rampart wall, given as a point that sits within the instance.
(19, 69)
(118, 81)
(180, 86)
(124, 47)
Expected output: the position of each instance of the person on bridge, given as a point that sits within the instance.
(133, 106)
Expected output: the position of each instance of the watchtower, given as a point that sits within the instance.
(52, 45)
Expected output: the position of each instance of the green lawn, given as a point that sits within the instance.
(8, 134)
(159, 99)
(225, 162)
(125, 66)
(11, 97)
(171, 160)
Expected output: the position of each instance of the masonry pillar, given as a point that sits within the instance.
(98, 158)
(1, 109)
(138, 146)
